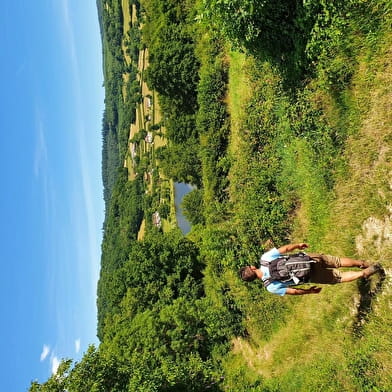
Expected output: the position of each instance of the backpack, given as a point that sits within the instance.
(295, 267)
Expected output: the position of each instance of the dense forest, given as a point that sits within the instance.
(279, 114)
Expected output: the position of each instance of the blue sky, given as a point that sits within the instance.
(51, 101)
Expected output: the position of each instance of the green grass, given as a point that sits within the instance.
(238, 94)
(126, 24)
(340, 339)
(302, 175)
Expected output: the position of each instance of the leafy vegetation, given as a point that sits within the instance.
(281, 118)
(118, 74)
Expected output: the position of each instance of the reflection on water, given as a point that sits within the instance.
(180, 190)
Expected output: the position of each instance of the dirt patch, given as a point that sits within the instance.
(376, 234)
(255, 357)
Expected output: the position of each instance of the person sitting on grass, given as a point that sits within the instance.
(279, 271)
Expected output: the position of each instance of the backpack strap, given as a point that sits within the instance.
(266, 281)
(264, 263)
(306, 260)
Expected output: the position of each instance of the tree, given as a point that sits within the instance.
(192, 206)
(181, 162)
(164, 210)
(173, 66)
(94, 373)
(57, 382)
(264, 27)
(97, 373)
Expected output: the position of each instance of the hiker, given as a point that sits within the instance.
(279, 271)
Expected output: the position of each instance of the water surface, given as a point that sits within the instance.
(180, 190)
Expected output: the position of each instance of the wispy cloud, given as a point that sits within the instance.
(77, 345)
(93, 235)
(86, 191)
(41, 164)
(69, 36)
(55, 362)
(45, 352)
(86, 223)
(41, 151)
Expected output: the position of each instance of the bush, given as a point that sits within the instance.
(192, 206)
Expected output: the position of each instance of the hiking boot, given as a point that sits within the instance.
(364, 264)
(368, 272)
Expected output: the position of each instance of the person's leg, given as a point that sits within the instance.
(326, 261)
(326, 269)
(320, 274)
(337, 262)
(349, 276)
(347, 262)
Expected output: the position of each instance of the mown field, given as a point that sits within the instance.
(280, 114)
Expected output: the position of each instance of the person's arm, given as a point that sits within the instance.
(311, 290)
(290, 247)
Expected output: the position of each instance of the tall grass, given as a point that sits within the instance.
(330, 159)
(302, 180)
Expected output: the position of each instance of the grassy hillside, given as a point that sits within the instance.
(341, 339)
(280, 114)
(334, 167)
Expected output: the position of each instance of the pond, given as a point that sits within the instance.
(180, 190)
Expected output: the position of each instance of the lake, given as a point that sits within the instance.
(180, 190)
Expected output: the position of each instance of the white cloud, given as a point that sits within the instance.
(77, 345)
(93, 234)
(55, 364)
(41, 152)
(69, 36)
(45, 352)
